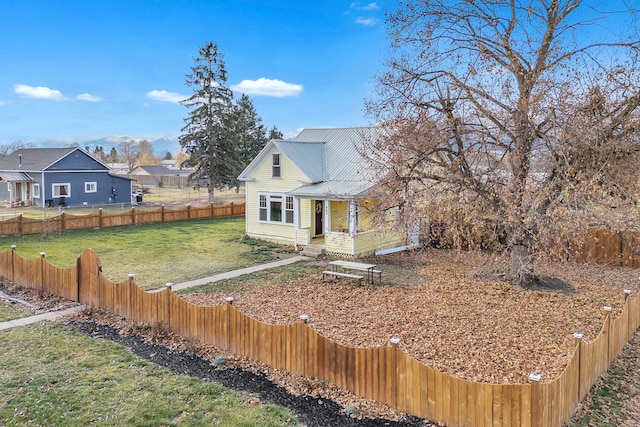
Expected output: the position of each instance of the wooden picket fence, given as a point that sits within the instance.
(385, 374)
(20, 225)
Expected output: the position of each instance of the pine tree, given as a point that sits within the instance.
(250, 133)
(207, 135)
(275, 133)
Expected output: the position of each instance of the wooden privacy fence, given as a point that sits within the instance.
(20, 225)
(385, 374)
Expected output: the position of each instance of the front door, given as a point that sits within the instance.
(318, 211)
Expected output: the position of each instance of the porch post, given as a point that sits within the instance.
(353, 218)
(327, 217)
(296, 220)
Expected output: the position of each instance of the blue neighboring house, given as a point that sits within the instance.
(59, 177)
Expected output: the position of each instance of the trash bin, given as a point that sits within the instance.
(138, 198)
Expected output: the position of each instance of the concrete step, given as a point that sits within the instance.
(313, 251)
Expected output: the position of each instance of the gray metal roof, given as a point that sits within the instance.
(344, 151)
(332, 159)
(335, 190)
(308, 157)
(15, 177)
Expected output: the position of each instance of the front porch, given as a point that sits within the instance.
(342, 228)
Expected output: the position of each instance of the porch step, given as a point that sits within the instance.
(313, 251)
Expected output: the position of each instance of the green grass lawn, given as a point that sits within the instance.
(154, 253)
(54, 376)
(7, 312)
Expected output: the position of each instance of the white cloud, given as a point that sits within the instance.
(369, 6)
(366, 21)
(38, 92)
(164, 96)
(89, 98)
(268, 87)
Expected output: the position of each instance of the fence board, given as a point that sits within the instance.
(593, 359)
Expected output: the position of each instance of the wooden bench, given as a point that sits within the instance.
(339, 274)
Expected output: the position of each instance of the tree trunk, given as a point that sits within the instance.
(210, 190)
(521, 269)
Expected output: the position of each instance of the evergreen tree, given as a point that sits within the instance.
(113, 155)
(207, 135)
(249, 132)
(275, 133)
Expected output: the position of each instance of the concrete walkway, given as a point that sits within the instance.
(53, 315)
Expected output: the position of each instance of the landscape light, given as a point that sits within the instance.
(130, 275)
(577, 335)
(43, 253)
(13, 246)
(229, 299)
(394, 340)
(606, 308)
(169, 284)
(304, 318)
(627, 291)
(535, 377)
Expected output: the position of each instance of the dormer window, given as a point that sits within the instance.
(276, 171)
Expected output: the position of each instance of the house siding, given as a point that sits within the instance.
(110, 189)
(263, 182)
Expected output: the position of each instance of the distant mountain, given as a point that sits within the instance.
(160, 145)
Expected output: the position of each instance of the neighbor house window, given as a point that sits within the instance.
(61, 190)
(36, 191)
(275, 208)
(275, 166)
(90, 187)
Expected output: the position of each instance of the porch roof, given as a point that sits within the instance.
(15, 177)
(333, 190)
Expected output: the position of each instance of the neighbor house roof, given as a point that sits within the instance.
(159, 171)
(37, 159)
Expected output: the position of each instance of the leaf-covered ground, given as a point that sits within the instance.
(457, 319)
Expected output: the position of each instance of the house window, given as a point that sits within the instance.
(262, 210)
(275, 166)
(36, 191)
(288, 213)
(61, 190)
(275, 208)
(90, 187)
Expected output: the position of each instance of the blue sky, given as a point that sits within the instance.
(75, 70)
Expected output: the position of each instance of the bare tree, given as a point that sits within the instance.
(129, 151)
(510, 121)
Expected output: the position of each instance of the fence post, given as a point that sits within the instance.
(232, 213)
(188, 212)
(133, 216)
(578, 340)
(607, 318)
(303, 343)
(394, 371)
(13, 263)
(100, 218)
(162, 213)
(42, 255)
(20, 224)
(213, 212)
(169, 287)
(229, 304)
(630, 329)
